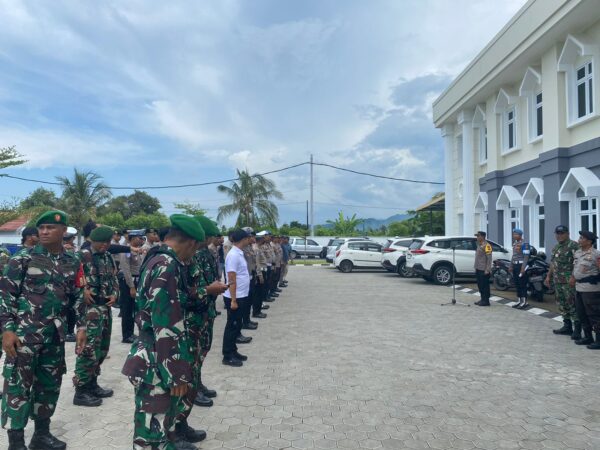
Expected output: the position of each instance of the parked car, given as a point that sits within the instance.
(333, 245)
(306, 247)
(358, 255)
(431, 257)
(392, 251)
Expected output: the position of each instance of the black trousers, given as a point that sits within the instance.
(127, 303)
(71, 320)
(581, 312)
(249, 302)
(259, 296)
(233, 327)
(591, 301)
(483, 284)
(520, 281)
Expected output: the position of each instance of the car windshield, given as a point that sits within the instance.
(416, 244)
(335, 242)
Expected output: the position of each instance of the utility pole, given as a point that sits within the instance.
(312, 205)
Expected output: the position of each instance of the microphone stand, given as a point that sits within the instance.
(453, 301)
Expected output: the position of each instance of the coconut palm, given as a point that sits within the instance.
(344, 226)
(82, 195)
(251, 199)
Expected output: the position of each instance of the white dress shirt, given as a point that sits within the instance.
(236, 262)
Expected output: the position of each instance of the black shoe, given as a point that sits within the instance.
(240, 356)
(250, 326)
(16, 440)
(70, 337)
(524, 306)
(274, 295)
(210, 393)
(483, 303)
(243, 339)
(42, 439)
(477, 303)
(277, 290)
(98, 391)
(232, 361)
(260, 316)
(265, 307)
(181, 444)
(128, 340)
(203, 400)
(187, 433)
(587, 339)
(268, 300)
(84, 397)
(566, 330)
(576, 331)
(282, 285)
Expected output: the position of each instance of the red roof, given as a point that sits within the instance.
(14, 225)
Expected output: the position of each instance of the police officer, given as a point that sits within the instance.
(160, 363)
(129, 265)
(561, 269)
(483, 268)
(102, 289)
(250, 256)
(586, 280)
(37, 286)
(520, 257)
(261, 278)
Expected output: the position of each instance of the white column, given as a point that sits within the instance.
(448, 135)
(465, 120)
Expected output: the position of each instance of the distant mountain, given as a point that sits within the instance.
(374, 224)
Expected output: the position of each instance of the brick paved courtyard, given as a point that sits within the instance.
(368, 360)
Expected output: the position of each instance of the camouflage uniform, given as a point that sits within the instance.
(35, 292)
(161, 358)
(561, 261)
(208, 264)
(4, 257)
(101, 278)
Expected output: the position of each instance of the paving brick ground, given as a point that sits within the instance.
(368, 360)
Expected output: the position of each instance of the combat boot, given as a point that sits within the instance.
(576, 331)
(83, 397)
(567, 328)
(179, 443)
(596, 344)
(16, 440)
(42, 439)
(98, 391)
(587, 337)
(187, 433)
(202, 400)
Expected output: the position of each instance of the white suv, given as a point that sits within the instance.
(392, 251)
(358, 254)
(431, 257)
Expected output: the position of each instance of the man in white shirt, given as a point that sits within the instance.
(238, 279)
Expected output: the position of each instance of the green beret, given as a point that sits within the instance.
(101, 234)
(188, 225)
(210, 228)
(53, 217)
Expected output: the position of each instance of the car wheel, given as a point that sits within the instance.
(323, 253)
(346, 266)
(402, 270)
(442, 274)
(428, 279)
(294, 254)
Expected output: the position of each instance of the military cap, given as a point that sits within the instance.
(590, 236)
(151, 230)
(481, 233)
(54, 216)
(134, 233)
(188, 225)
(209, 227)
(518, 231)
(248, 230)
(264, 233)
(561, 229)
(29, 231)
(101, 234)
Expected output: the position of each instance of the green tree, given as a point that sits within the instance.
(193, 209)
(400, 228)
(140, 221)
(251, 199)
(10, 157)
(40, 197)
(344, 226)
(113, 219)
(82, 195)
(297, 224)
(140, 202)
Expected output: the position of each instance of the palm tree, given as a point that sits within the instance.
(344, 226)
(251, 200)
(82, 195)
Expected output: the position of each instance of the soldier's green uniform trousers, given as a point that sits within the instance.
(32, 384)
(207, 329)
(99, 328)
(565, 297)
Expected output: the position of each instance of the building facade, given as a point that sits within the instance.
(521, 127)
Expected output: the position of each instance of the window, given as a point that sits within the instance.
(540, 220)
(584, 90)
(299, 242)
(374, 248)
(587, 214)
(311, 242)
(463, 244)
(483, 145)
(538, 116)
(513, 219)
(496, 248)
(440, 244)
(509, 129)
(416, 244)
(403, 243)
(354, 246)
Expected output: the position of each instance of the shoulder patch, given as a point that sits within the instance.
(488, 249)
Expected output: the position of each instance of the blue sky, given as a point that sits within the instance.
(153, 92)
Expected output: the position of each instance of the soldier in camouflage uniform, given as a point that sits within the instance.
(4, 257)
(102, 288)
(160, 364)
(38, 286)
(208, 264)
(561, 269)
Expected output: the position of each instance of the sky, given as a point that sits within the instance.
(150, 92)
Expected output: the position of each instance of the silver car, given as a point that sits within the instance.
(305, 247)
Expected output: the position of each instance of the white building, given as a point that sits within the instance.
(521, 127)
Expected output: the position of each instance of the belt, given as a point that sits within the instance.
(517, 262)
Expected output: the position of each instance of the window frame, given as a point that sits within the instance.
(573, 83)
(506, 122)
(483, 144)
(533, 120)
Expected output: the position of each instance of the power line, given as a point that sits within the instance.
(362, 206)
(408, 180)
